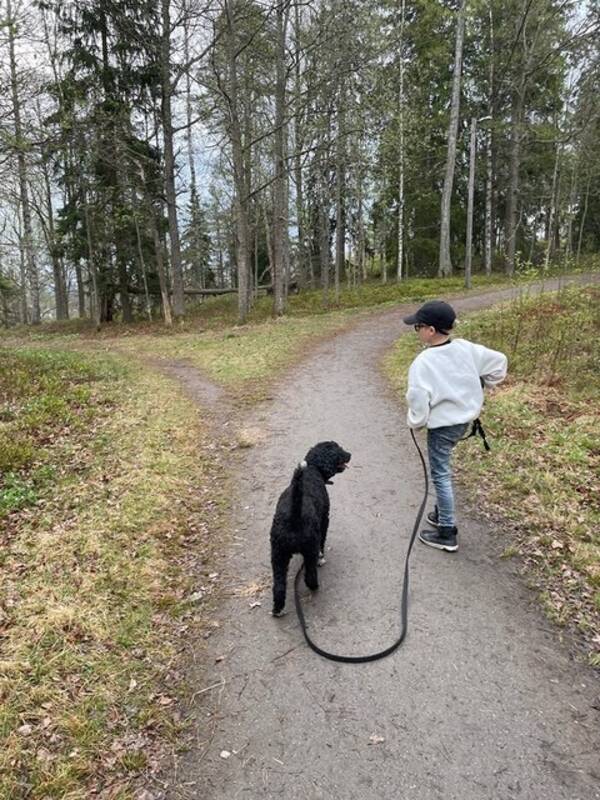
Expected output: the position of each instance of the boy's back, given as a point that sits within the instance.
(444, 382)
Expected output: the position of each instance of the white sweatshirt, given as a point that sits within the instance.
(444, 385)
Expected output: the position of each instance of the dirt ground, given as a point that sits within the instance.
(481, 702)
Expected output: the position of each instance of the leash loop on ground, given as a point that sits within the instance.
(404, 600)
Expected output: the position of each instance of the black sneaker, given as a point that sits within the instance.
(433, 517)
(444, 538)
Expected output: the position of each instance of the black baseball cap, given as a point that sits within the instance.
(436, 313)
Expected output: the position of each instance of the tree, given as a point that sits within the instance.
(21, 146)
(445, 261)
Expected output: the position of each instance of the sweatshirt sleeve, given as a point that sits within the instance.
(492, 365)
(418, 399)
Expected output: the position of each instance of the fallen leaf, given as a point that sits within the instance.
(225, 754)
(165, 701)
(374, 739)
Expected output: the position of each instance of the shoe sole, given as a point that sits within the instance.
(449, 548)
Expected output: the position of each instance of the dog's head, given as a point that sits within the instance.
(329, 458)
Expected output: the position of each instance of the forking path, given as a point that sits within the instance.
(481, 702)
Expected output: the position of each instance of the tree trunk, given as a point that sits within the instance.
(32, 271)
(324, 240)
(160, 268)
(60, 288)
(96, 313)
(170, 192)
(305, 270)
(280, 222)
(340, 192)
(23, 309)
(400, 233)
(197, 265)
(489, 160)
(241, 200)
(510, 234)
(471, 195)
(80, 291)
(552, 213)
(142, 265)
(220, 265)
(583, 219)
(445, 262)
(362, 264)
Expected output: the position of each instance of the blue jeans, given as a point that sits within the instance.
(440, 443)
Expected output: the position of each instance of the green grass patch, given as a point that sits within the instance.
(217, 313)
(544, 470)
(242, 359)
(97, 524)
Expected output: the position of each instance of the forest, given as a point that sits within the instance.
(156, 152)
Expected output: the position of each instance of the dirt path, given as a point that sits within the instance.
(481, 702)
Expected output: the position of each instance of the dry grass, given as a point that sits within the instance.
(95, 579)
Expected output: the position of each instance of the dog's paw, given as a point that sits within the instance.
(322, 560)
(278, 613)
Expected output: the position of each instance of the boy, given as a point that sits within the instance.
(444, 395)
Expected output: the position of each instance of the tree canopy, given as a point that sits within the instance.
(156, 150)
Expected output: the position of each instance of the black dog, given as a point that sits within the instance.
(302, 518)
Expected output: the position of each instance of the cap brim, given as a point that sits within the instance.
(410, 320)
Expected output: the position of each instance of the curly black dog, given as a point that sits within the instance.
(302, 518)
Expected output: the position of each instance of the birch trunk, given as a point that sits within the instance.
(170, 191)
(305, 268)
(510, 234)
(23, 307)
(445, 261)
(489, 161)
(340, 193)
(30, 263)
(583, 218)
(280, 222)
(400, 235)
(471, 195)
(197, 268)
(240, 178)
(324, 240)
(552, 211)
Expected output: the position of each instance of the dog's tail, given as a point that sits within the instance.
(297, 490)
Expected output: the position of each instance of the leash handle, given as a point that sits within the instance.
(404, 600)
(477, 430)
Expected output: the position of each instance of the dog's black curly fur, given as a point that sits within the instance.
(302, 517)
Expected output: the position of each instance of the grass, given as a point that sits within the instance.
(105, 479)
(543, 475)
(247, 359)
(218, 313)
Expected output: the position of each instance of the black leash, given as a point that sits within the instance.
(404, 602)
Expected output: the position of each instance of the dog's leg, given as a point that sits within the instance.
(311, 578)
(280, 562)
(324, 528)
